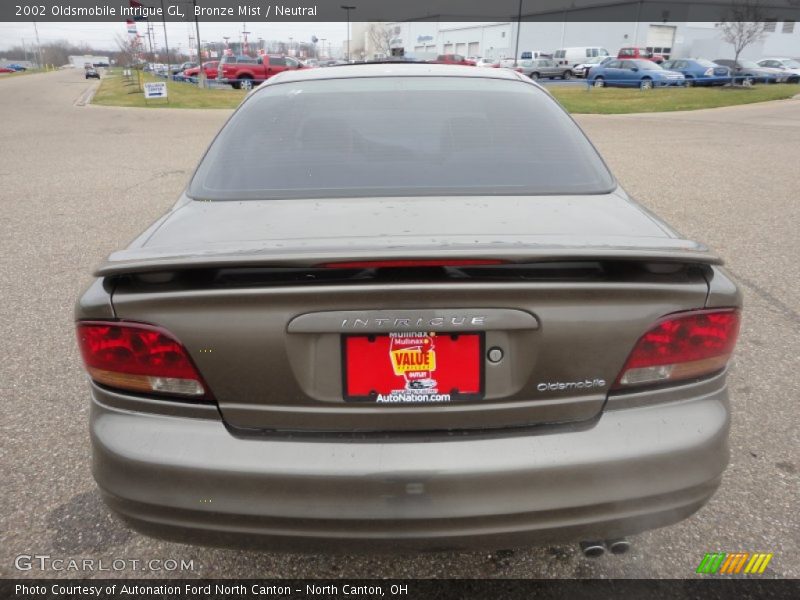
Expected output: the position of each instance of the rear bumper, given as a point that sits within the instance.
(632, 469)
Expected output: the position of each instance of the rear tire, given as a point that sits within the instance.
(534, 76)
(689, 82)
(246, 84)
(566, 75)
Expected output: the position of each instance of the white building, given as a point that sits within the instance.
(79, 61)
(421, 39)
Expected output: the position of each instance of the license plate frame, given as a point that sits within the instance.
(472, 350)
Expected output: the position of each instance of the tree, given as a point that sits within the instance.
(743, 25)
(128, 49)
(380, 38)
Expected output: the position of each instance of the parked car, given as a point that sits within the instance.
(789, 66)
(577, 55)
(244, 72)
(748, 71)
(644, 74)
(209, 67)
(636, 53)
(257, 348)
(6, 70)
(16, 67)
(699, 71)
(175, 69)
(487, 62)
(91, 73)
(544, 68)
(582, 69)
(453, 59)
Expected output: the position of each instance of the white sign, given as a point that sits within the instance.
(157, 89)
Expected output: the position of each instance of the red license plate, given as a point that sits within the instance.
(413, 367)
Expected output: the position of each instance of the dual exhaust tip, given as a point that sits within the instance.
(597, 549)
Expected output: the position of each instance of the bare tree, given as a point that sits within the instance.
(380, 38)
(129, 48)
(743, 25)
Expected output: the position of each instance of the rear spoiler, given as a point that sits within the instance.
(314, 253)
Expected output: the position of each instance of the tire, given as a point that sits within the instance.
(246, 83)
(747, 82)
(599, 82)
(236, 85)
(689, 82)
(534, 76)
(646, 84)
(566, 75)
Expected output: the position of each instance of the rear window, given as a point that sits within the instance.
(399, 136)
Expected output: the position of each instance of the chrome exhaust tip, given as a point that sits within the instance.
(593, 549)
(619, 546)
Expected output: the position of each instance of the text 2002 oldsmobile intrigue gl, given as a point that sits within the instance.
(407, 306)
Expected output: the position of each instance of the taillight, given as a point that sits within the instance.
(412, 263)
(140, 358)
(682, 346)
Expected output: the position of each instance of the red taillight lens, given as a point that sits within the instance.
(403, 263)
(140, 358)
(682, 346)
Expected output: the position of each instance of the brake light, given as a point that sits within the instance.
(382, 264)
(138, 357)
(682, 346)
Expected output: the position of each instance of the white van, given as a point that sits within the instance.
(576, 56)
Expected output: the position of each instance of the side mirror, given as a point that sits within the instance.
(634, 69)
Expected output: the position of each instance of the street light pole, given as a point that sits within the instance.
(201, 74)
(347, 9)
(519, 26)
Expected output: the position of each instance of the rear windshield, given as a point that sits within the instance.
(399, 136)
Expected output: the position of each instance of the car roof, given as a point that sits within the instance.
(392, 69)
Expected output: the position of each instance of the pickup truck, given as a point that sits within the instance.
(632, 52)
(243, 72)
(453, 59)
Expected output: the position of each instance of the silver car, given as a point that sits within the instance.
(544, 68)
(384, 316)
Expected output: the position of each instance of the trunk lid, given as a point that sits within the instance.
(239, 283)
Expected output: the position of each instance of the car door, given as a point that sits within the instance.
(550, 69)
(612, 72)
(627, 75)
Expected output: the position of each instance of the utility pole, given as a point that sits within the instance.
(347, 9)
(519, 26)
(201, 75)
(38, 45)
(166, 42)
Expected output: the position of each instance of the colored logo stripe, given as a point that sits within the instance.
(731, 564)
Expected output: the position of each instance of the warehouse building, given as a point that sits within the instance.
(422, 39)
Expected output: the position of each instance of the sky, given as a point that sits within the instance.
(101, 36)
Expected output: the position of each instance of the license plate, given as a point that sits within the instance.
(413, 367)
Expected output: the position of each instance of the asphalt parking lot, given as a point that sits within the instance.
(77, 182)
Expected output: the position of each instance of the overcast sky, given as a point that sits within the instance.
(101, 35)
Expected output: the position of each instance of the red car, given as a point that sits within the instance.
(453, 59)
(244, 72)
(210, 68)
(632, 52)
(6, 70)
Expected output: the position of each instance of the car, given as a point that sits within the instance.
(210, 67)
(643, 74)
(487, 62)
(6, 70)
(699, 71)
(245, 72)
(91, 74)
(748, 71)
(16, 67)
(544, 68)
(175, 69)
(453, 59)
(635, 53)
(582, 69)
(789, 66)
(352, 230)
